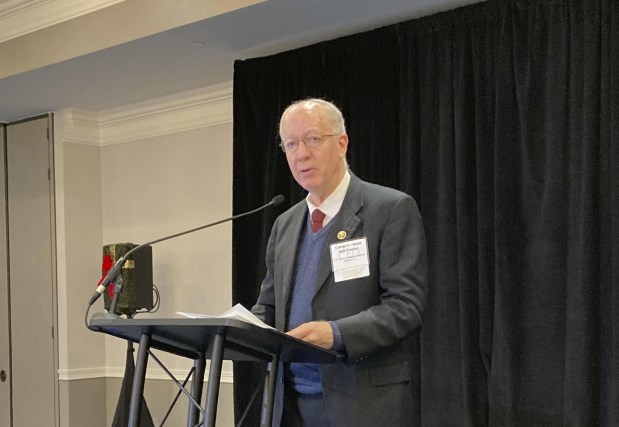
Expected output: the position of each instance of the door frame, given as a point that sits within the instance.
(5, 244)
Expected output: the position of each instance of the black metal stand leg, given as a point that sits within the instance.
(214, 376)
(196, 390)
(266, 416)
(138, 380)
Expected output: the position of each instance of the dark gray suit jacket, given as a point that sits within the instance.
(376, 314)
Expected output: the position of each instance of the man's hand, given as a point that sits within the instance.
(317, 333)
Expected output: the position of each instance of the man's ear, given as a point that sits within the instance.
(342, 143)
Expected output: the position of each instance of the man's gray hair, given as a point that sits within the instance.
(334, 114)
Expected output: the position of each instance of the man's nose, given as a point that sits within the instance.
(302, 150)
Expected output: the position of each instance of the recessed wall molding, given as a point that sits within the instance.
(151, 373)
(81, 374)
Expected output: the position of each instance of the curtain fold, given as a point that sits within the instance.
(501, 119)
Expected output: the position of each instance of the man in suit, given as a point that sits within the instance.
(346, 270)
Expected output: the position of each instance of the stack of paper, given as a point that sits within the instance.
(238, 312)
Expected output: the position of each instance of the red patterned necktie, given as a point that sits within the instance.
(317, 218)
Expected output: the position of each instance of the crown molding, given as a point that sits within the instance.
(189, 110)
(194, 109)
(78, 127)
(11, 7)
(151, 374)
(21, 17)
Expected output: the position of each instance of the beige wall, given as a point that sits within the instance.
(78, 233)
(163, 185)
(130, 176)
(84, 403)
(82, 232)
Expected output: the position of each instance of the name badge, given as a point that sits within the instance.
(350, 259)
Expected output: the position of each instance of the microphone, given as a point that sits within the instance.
(113, 272)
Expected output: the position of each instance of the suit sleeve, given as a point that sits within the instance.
(264, 308)
(402, 271)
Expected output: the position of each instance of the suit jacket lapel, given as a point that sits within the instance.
(289, 255)
(346, 220)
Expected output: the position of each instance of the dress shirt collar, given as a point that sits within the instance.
(332, 204)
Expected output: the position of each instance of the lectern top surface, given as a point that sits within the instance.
(192, 337)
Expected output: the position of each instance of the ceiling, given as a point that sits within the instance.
(174, 61)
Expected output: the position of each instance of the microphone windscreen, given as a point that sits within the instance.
(277, 200)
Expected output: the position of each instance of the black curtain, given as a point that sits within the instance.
(502, 120)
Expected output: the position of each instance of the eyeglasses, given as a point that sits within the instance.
(311, 140)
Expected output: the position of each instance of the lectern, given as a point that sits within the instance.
(215, 339)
